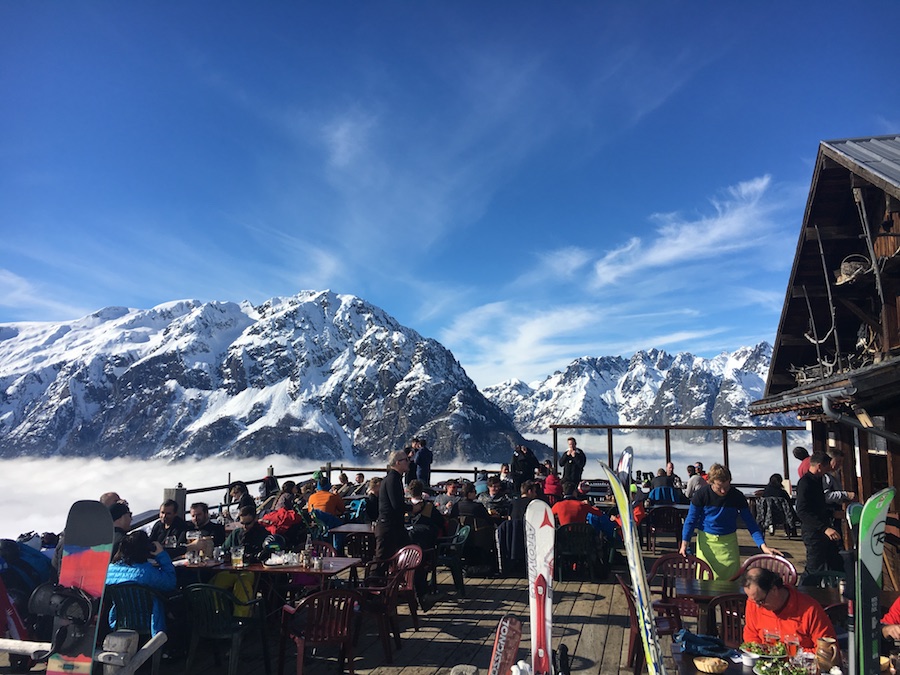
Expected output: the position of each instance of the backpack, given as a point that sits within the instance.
(22, 567)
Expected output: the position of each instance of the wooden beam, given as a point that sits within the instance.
(892, 423)
(861, 314)
(865, 470)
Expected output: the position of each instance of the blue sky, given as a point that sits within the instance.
(526, 182)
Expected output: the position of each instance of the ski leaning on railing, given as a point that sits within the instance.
(619, 483)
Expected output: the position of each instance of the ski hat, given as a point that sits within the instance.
(118, 510)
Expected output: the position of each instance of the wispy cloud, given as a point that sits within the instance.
(677, 288)
(740, 221)
(30, 302)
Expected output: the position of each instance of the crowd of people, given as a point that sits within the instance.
(404, 507)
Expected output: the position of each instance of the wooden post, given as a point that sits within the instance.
(865, 472)
(179, 494)
(893, 458)
(725, 445)
(609, 447)
(555, 448)
(784, 454)
(819, 437)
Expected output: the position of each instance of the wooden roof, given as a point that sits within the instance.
(830, 326)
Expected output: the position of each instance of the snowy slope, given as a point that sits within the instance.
(652, 387)
(316, 375)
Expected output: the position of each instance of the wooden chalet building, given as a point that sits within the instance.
(836, 359)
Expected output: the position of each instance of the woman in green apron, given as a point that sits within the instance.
(714, 512)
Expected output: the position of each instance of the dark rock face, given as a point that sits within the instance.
(317, 375)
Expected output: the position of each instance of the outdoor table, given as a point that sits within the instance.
(348, 528)
(684, 664)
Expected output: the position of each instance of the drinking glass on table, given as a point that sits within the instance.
(192, 536)
(792, 644)
(237, 556)
(771, 636)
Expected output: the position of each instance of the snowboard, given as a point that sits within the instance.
(506, 645)
(866, 613)
(619, 484)
(82, 577)
(540, 535)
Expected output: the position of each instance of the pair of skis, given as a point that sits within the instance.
(540, 537)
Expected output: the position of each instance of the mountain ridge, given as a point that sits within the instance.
(320, 375)
(312, 375)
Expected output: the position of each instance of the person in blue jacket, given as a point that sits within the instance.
(714, 511)
(132, 564)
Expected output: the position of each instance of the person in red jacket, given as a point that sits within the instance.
(772, 606)
(572, 509)
(890, 622)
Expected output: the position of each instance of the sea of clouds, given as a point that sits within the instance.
(37, 493)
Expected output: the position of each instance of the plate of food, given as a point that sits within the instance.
(778, 667)
(765, 651)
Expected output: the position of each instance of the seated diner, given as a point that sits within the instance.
(775, 608)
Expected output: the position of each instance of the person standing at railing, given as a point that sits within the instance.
(423, 458)
(572, 462)
(523, 466)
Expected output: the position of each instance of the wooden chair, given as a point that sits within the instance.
(776, 563)
(663, 520)
(672, 566)
(725, 618)
(326, 621)
(665, 625)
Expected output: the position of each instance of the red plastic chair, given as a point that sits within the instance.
(670, 567)
(327, 621)
(663, 520)
(776, 563)
(725, 618)
(665, 625)
(406, 560)
(380, 602)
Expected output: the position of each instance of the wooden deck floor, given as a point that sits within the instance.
(590, 618)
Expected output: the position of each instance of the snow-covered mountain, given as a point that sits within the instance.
(652, 387)
(316, 375)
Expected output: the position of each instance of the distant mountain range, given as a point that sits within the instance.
(317, 375)
(651, 388)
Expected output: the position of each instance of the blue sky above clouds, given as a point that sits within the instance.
(527, 182)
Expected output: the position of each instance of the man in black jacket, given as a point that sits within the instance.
(523, 466)
(390, 528)
(572, 462)
(822, 540)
